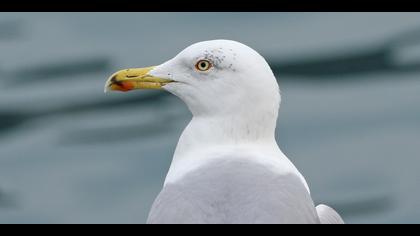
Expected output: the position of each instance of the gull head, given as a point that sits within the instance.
(217, 77)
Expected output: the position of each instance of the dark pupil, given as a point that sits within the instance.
(203, 64)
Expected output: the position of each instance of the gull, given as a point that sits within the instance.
(227, 167)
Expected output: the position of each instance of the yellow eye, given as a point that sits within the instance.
(203, 65)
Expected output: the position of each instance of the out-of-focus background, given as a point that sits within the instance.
(349, 119)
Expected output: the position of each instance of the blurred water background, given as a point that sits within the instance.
(349, 119)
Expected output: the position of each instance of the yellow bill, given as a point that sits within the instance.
(136, 78)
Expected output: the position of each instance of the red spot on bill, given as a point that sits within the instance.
(123, 86)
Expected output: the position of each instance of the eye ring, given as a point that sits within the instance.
(203, 65)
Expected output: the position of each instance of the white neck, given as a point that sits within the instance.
(225, 131)
(233, 138)
(231, 133)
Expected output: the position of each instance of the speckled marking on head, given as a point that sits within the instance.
(218, 56)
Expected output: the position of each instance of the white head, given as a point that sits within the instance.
(217, 78)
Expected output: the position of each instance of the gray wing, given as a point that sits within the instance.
(234, 191)
(327, 215)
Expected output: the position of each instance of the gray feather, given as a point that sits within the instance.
(327, 215)
(234, 191)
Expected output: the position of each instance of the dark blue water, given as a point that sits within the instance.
(349, 119)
